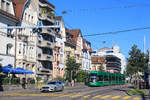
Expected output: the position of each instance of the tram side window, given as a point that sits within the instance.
(120, 78)
(113, 78)
(100, 78)
(106, 78)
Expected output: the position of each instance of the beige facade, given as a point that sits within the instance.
(78, 41)
(26, 39)
(98, 63)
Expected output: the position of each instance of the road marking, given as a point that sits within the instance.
(126, 97)
(96, 96)
(66, 95)
(86, 96)
(105, 96)
(136, 98)
(115, 97)
(77, 95)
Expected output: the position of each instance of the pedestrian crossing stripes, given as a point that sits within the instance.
(96, 97)
(105, 96)
(126, 97)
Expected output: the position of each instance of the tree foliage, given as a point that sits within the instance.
(81, 75)
(137, 62)
(73, 67)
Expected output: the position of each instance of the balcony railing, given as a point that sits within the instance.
(45, 57)
(46, 5)
(48, 31)
(45, 43)
(47, 16)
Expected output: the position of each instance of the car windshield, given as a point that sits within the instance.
(51, 83)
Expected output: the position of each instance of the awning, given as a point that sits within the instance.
(23, 71)
(19, 70)
(8, 69)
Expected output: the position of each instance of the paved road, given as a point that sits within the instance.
(79, 92)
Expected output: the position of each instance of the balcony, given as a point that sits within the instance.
(48, 31)
(45, 70)
(45, 57)
(47, 16)
(46, 44)
(46, 5)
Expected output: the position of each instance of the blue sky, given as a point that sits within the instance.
(85, 15)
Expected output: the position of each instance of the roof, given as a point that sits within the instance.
(75, 33)
(85, 47)
(18, 7)
(69, 37)
(8, 15)
(58, 17)
(98, 59)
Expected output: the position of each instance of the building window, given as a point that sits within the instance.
(8, 48)
(25, 17)
(29, 18)
(2, 4)
(20, 48)
(7, 7)
(32, 19)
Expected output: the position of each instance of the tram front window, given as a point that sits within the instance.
(93, 78)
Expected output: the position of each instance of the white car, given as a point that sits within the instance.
(52, 86)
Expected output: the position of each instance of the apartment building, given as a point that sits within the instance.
(98, 63)
(86, 55)
(78, 41)
(45, 40)
(114, 57)
(26, 12)
(7, 36)
(59, 62)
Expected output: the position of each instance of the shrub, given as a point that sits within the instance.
(81, 75)
(15, 81)
(60, 79)
(5, 81)
(32, 81)
(38, 78)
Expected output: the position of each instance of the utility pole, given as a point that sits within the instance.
(149, 71)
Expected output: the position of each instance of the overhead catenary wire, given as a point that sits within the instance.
(104, 8)
(117, 32)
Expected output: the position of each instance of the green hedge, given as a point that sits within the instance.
(32, 81)
(14, 81)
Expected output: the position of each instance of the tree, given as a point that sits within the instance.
(72, 68)
(81, 76)
(136, 63)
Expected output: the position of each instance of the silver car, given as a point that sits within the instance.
(52, 86)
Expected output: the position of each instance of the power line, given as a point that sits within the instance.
(116, 32)
(107, 8)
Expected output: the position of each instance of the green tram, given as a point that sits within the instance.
(101, 78)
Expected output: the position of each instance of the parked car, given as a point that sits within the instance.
(52, 86)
